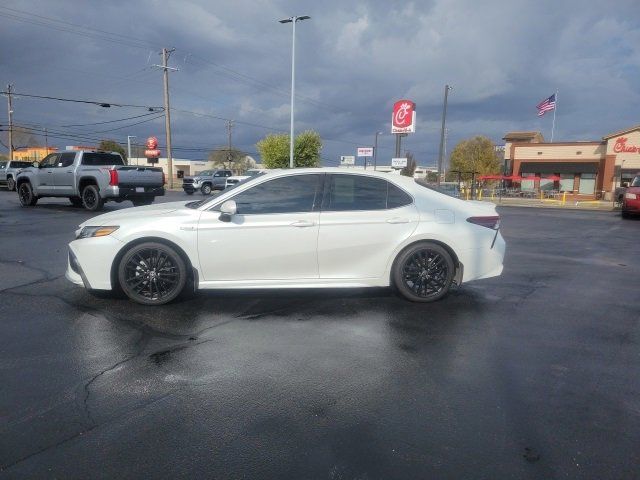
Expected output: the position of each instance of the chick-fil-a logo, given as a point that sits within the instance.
(621, 146)
(403, 120)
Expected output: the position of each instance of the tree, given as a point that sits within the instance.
(274, 150)
(112, 146)
(410, 169)
(477, 154)
(229, 158)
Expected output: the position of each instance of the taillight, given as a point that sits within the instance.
(164, 178)
(113, 178)
(489, 222)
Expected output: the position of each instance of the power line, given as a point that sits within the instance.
(108, 121)
(90, 102)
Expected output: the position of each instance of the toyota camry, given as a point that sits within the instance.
(302, 228)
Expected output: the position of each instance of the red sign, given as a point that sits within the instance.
(152, 143)
(152, 153)
(621, 146)
(404, 117)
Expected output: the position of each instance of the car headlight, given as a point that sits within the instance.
(88, 232)
(196, 179)
(630, 196)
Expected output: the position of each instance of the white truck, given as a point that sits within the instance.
(9, 170)
(88, 178)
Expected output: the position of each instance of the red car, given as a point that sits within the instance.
(631, 200)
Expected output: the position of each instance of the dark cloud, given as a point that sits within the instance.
(353, 60)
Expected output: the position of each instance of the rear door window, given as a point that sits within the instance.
(359, 192)
(66, 159)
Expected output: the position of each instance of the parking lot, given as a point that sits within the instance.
(533, 374)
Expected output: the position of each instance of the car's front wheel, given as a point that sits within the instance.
(152, 273)
(206, 189)
(26, 195)
(91, 199)
(423, 272)
(11, 184)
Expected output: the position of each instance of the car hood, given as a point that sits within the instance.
(128, 214)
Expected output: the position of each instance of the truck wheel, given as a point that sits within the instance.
(76, 201)
(140, 202)
(11, 184)
(25, 193)
(206, 189)
(91, 199)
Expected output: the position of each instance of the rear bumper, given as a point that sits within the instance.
(126, 192)
(483, 262)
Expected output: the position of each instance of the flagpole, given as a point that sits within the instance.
(553, 125)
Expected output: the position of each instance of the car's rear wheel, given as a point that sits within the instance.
(91, 199)
(152, 273)
(11, 184)
(26, 195)
(206, 189)
(423, 272)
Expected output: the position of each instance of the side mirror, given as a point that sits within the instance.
(36, 164)
(227, 210)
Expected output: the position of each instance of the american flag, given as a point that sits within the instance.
(546, 105)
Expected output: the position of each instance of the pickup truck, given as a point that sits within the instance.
(9, 170)
(629, 197)
(88, 178)
(206, 181)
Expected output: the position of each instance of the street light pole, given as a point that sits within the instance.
(444, 120)
(293, 20)
(375, 151)
(129, 137)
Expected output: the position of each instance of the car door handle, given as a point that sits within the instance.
(188, 228)
(398, 220)
(69, 171)
(303, 223)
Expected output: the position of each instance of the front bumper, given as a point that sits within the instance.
(90, 260)
(631, 206)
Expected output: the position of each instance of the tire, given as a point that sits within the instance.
(91, 199)
(11, 184)
(624, 214)
(423, 272)
(26, 195)
(152, 273)
(206, 189)
(76, 201)
(141, 202)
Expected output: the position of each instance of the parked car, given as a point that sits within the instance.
(631, 198)
(236, 179)
(206, 181)
(316, 228)
(9, 170)
(88, 178)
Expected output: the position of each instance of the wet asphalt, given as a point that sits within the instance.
(534, 374)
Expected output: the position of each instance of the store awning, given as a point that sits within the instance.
(564, 167)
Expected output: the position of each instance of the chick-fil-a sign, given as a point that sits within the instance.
(404, 117)
(621, 146)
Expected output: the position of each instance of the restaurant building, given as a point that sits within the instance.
(585, 170)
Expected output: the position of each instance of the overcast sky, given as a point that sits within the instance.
(354, 59)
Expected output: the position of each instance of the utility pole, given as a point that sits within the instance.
(46, 142)
(166, 53)
(444, 120)
(10, 109)
(229, 128)
(129, 137)
(375, 151)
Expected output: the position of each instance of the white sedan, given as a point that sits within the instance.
(302, 228)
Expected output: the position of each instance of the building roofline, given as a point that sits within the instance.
(621, 132)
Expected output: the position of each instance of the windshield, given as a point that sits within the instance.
(636, 182)
(205, 173)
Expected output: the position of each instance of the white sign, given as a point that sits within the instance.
(399, 162)
(365, 151)
(348, 160)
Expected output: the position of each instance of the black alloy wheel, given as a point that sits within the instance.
(152, 273)
(26, 196)
(91, 199)
(424, 272)
(206, 189)
(11, 184)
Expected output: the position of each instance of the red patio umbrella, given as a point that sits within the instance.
(489, 177)
(513, 178)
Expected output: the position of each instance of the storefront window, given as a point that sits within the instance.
(587, 183)
(527, 184)
(566, 182)
(546, 184)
